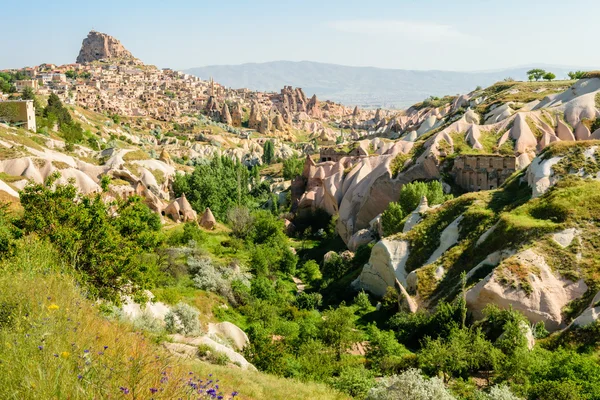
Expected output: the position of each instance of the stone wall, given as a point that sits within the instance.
(335, 155)
(474, 173)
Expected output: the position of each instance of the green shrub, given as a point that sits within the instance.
(355, 381)
(392, 218)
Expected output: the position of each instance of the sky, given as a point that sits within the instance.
(456, 35)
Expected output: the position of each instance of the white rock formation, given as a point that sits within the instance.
(548, 295)
(386, 264)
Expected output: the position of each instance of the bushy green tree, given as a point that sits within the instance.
(535, 73)
(264, 352)
(576, 74)
(464, 351)
(292, 167)
(268, 152)
(310, 271)
(103, 248)
(220, 185)
(337, 329)
(410, 197)
(391, 219)
(548, 76)
(384, 351)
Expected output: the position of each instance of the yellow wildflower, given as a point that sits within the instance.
(65, 354)
(53, 307)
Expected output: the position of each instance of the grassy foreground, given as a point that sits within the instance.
(55, 344)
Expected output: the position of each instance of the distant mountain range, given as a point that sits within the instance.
(363, 86)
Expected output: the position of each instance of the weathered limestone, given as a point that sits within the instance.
(385, 266)
(98, 46)
(225, 115)
(548, 294)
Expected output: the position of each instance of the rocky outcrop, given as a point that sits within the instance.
(385, 266)
(208, 220)
(255, 118)
(236, 116)
(542, 301)
(225, 115)
(229, 332)
(364, 236)
(188, 347)
(98, 46)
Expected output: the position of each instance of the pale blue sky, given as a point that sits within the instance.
(434, 34)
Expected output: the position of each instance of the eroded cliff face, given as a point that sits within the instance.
(97, 46)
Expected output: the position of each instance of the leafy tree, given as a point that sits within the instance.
(355, 381)
(268, 152)
(362, 302)
(576, 74)
(411, 194)
(383, 350)
(465, 350)
(392, 218)
(9, 112)
(292, 167)
(221, 185)
(309, 301)
(104, 248)
(264, 352)
(535, 73)
(549, 76)
(337, 329)
(240, 221)
(310, 271)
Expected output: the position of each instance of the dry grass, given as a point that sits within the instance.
(136, 155)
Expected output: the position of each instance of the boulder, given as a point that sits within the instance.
(229, 332)
(363, 236)
(208, 220)
(233, 356)
(385, 266)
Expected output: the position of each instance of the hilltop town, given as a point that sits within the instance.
(108, 79)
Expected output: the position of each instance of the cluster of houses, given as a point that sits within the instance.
(134, 90)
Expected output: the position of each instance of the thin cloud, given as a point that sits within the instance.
(414, 30)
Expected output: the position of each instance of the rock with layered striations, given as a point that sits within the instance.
(98, 46)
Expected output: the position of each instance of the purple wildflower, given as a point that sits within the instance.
(41, 347)
(124, 390)
(153, 390)
(79, 376)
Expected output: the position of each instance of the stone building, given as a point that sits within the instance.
(482, 172)
(21, 112)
